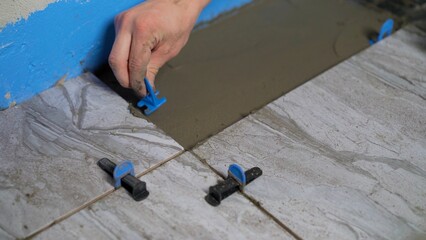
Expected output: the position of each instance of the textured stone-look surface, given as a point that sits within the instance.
(50, 145)
(4, 235)
(343, 156)
(175, 209)
(400, 60)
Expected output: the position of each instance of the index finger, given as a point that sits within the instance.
(140, 54)
(118, 58)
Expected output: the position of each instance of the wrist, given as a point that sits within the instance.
(195, 5)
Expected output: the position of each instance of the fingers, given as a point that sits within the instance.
(150, 75)
(159, 57)
(131, 60)
(139, 57)
(118, 58)
(156, 62)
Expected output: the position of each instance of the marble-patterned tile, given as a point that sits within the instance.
(343, 157)
(175, 209)
(400, 60)
(50, 145)
(5, 236)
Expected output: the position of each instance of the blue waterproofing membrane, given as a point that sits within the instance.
(65, 39)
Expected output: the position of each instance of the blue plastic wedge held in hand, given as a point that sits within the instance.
(238, 174)
(385, 30)
(121, 170)
(151, 102)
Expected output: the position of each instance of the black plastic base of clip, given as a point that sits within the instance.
(136, 187)
(226, 188)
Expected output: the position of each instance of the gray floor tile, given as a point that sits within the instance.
(343, 157)
(49, 147)
(175, 209)
(5, 236)
(399, 60)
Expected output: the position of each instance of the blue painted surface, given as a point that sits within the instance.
(65, 39)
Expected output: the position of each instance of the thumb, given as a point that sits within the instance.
(156, 62)
(151, 73)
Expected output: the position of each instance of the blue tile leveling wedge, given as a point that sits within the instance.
(150, 101)
(385, 31)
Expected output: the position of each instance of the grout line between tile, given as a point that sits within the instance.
(269, 214)
(99, 197)
(105, 194)
(252, 200)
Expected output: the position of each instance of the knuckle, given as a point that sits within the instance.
(124, 16)
(135, 64)
(113, 61)
(142, 25)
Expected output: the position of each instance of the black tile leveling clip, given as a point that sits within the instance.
(237, 179)
(124, 175)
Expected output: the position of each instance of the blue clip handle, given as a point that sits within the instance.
(121, 170)
(385, 30)
(151, 102)
(237, 173)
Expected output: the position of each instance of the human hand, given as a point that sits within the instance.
(147, 36)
